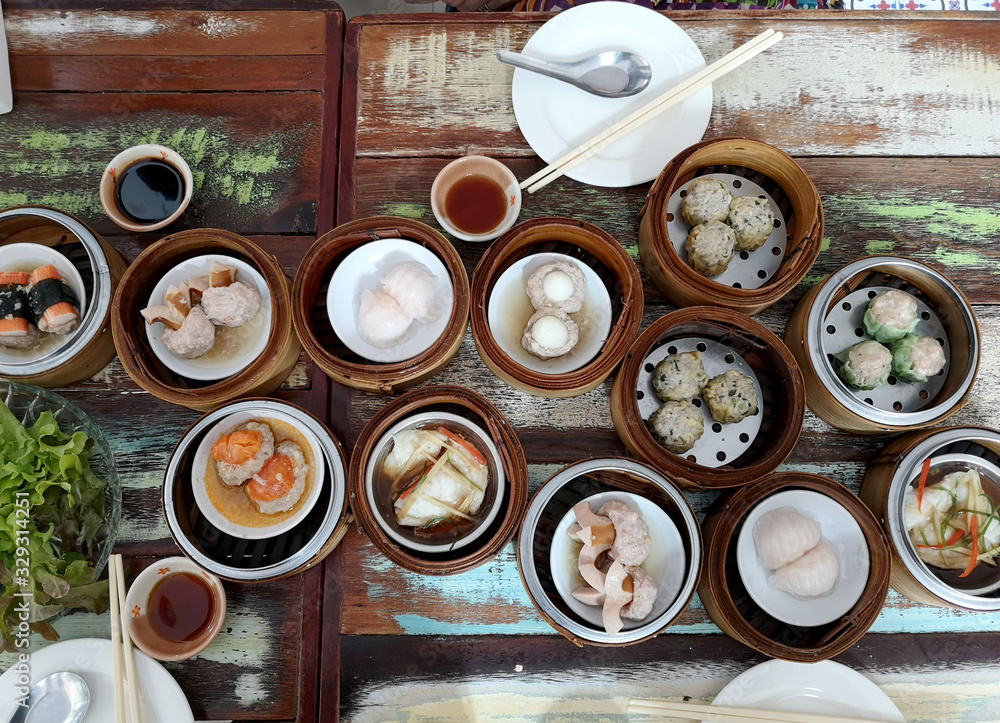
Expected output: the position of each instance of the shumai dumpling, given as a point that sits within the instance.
(707, 199)
(752, 221)
(865, 365)
(710, 247)
(677, 426)
(731, 397)
(891, 315)
(680, 377)
(917, 358)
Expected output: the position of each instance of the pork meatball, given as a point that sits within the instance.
(710, 247)
(643, 595)
(677, 426)
(631, 545)
(707, 199)
(550, 333)
(680, 377)
(752, 221)
(232, 305)
(557, 284)
(195, 337)
(731, 397)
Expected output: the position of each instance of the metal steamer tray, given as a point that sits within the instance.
(748, 269)
(721, 444)
(245, 560)
(844, 327)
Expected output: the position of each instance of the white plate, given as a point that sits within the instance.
(202, 368)
(556, 117)
(161, 699)
(360, 272)
(840, 529)
(200, 464)
(509, 294)
(826, 688)
(666, 563)
(6, 93)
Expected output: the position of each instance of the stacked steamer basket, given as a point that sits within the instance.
(90, 347)
(312, 319)
(731, 606)
(726, 455)
(261, 376)
(427, 407)
(896, 470)
(830, 319)
(755, 279)
(578, 243)
(242, 558)
(548, 558)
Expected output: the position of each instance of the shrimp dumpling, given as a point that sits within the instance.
(381, 320)
(917, 358)
(415, 290)
(812, 575)
(891, 315)
(783, 535)
(865, 365)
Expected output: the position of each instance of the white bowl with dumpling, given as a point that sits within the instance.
(803, 558)
(663, 562)
(232, 343)
(390, 300)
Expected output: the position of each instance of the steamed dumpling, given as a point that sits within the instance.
(865, 365)
(917, 358)
(812, 575)
(381, 320)
(415, 290)
(784, 535)
(677, 426)
(752, 221)
(710, 247)
(707, 199)
(731, 397)
(891, 315)
(680, 377)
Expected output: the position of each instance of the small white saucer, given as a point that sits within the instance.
(360, 272)
(666, 563)
(211, 369)
(201, 460)
(509, 309)
(840, 529)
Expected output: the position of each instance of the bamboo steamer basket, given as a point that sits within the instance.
(262, 376)
(831, 399)
(893, 471)
(91, 347)
(243, 560)
(782, 401)
(556, 498)
(730, 606)
(780, 177)
(312, 322)
(477, 409)
(592, 247)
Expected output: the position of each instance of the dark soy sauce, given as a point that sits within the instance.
(149, 191)
(181, 607)
(476, 204)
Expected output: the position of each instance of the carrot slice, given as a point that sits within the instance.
(923, 481)
(974, 531)
(959, 534)
(467, 446)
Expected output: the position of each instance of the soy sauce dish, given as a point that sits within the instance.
(175, 609)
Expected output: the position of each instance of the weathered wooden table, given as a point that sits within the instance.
(896, 119)
(251, 100)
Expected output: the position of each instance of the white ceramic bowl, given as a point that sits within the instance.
(666, 563)
(201, 461)
(360, 272)
(509, 309)
(492, 501)
(124, 159)
(137, 601)
(18, 257)
(211, 369)
(840, 529)
(476, 166)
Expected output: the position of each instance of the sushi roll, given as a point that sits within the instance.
(680, 377)
(16, 328)
(752, 221)
(917, 358)
(731, 397)
(891, 315)
(710, 247)
(281, 482)
(677, 426)
(865, 365)
(242, 453)
(707, 199)
(52, 301)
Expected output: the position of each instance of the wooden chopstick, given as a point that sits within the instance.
(643, 115)
(121, 642)
(730, 714)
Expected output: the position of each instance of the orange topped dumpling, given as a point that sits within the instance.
(281, 481)
(242, 453)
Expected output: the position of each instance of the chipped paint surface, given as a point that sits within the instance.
(406, 210)
(968, 224)
(224, 26)
(90, 27)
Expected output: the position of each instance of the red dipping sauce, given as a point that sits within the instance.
(476, 204)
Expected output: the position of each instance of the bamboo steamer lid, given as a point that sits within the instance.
(781, 178)
(101, 267)
(479, 411)
(313, 324)
(590, 246)
(730, 606)
(262, 376)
